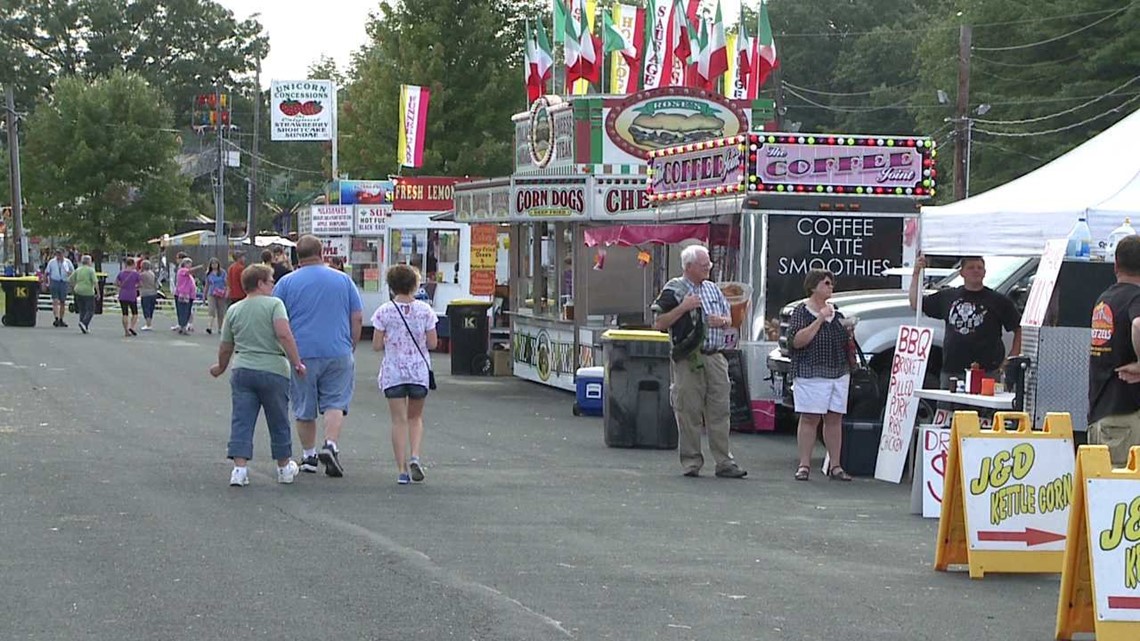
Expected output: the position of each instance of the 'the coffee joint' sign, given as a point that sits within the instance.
(852, 165)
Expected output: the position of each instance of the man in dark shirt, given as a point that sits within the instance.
(1114, 374)
(975, 316)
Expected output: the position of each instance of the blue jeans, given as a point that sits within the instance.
(253, 390)
(183, 309)
(148, 303)
(85, 307)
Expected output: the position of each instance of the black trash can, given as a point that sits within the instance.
(637, 411)
(100, 286)
(470, 337)
(21, 300)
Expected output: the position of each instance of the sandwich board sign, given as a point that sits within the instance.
(1005, 506)
(1100, 579)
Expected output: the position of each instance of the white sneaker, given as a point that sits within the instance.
(239, 477)
(288, 473)
(146, 328)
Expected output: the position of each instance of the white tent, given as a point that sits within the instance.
(1100, 178)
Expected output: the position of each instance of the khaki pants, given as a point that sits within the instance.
(1119, 433)
(699, 396)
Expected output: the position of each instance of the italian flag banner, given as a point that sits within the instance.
(413, 110)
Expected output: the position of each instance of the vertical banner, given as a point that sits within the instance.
(582, 87)
(912, 350)
(484, 251)
(630, 22)
(413, 127)
(656, 40)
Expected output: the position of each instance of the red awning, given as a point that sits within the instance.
(632, 235)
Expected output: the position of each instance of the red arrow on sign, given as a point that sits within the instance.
(1124, 602)
(1029, 536)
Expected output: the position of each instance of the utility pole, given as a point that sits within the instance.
(962, 113)
(220, 239)
(21, 243)
(254, 162)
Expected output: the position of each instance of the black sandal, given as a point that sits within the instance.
(837, 473)
(802, 473)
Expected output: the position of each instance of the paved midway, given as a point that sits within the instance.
(116, 522)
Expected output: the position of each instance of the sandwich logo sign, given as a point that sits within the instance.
(672, 116)
(301, 110)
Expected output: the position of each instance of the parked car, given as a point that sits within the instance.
(881, 312)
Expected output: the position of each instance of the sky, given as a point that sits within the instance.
(298, 36)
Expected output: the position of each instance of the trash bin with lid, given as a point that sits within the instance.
(637, 411)
(21, 300)
(470, 336)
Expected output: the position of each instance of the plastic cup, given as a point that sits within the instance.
(739, 297)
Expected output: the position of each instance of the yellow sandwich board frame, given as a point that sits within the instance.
(953, 526)
(1077, 605)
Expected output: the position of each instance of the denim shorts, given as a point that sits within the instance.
(407, 390)
(327, 385)
(59, 290)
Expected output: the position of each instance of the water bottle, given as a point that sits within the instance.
(1079, 240)
(1116, 236)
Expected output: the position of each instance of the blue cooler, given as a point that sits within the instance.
(589, 384)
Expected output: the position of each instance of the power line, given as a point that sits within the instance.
(996, 103)
(1059, 113)
(1062, 36)
(852, 93)
(844, 109)
(1028, 134)
(834, 34)
(1027, 65)
(273, 164)
(1011, 150)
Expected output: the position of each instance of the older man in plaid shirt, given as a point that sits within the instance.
(700, 386)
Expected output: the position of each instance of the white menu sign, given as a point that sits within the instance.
(372, 220)
(912, 350)
(332, 219)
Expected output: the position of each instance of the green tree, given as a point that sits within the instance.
(100, 166)
(469, 55)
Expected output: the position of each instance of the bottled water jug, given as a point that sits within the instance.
(1079, 240)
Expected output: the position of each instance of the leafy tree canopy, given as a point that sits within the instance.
(100, 165)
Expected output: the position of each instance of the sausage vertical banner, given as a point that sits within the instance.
(413, 125)
(908, 369)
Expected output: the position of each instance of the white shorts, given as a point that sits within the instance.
(821, 395)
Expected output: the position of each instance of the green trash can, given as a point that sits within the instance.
(21, 300)
(470, 337)
(637, 411)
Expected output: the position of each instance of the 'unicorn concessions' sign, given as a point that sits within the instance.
(704, 169)
(859, 165)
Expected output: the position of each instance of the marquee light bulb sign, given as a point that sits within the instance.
(708, 168)
(842, 164)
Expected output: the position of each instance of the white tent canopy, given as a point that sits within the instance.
(1100, 178)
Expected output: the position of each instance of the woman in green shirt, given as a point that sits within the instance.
(83, 281)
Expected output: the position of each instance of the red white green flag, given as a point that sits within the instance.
(717, 63)
(543, 55)
(767, 59)
(742, 57)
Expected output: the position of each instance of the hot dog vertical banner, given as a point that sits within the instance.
(413, 125)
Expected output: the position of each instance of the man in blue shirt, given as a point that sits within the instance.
(325, 315)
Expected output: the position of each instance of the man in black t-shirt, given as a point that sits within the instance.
(1114, 374)
(975, 316)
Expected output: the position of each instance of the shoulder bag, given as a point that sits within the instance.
(864, 391)
(431, 372)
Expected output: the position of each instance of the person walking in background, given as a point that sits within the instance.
(234, 292)
(128, 283)
(281, 264)
(256, 335)
(216, 300)
(58, 271)
(148, 293)
(404, 328)
(700, 388)
(185, 291)
(1114, 373)
(325, 314)
(84, 285)
(821, 369)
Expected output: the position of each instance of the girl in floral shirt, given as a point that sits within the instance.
(405, 330)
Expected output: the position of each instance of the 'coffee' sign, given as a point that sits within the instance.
(549, 200)
(714, 168)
